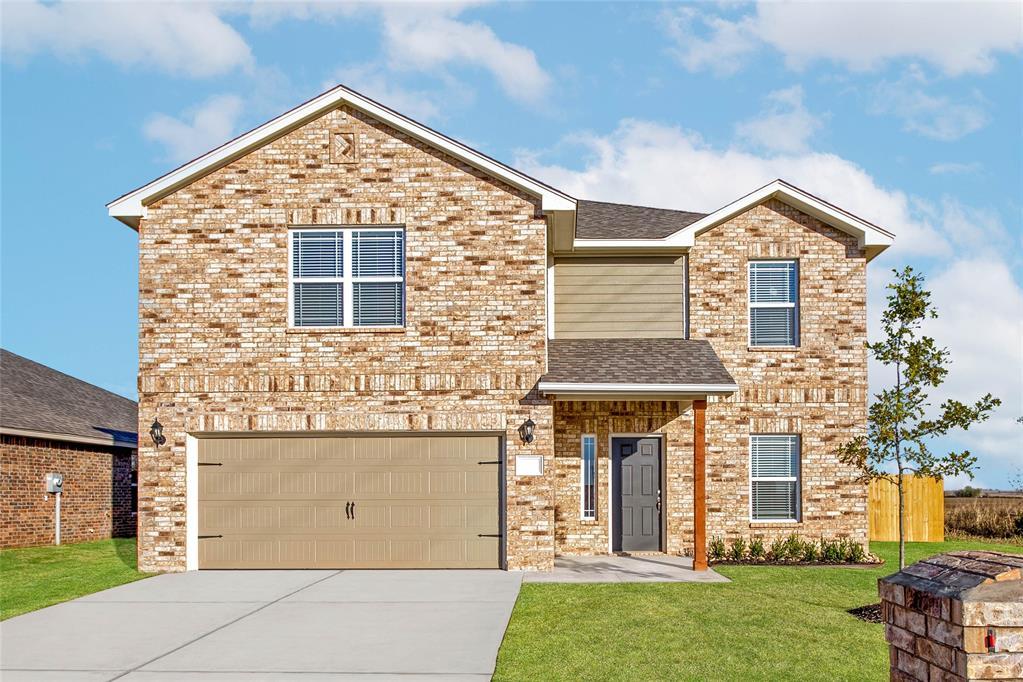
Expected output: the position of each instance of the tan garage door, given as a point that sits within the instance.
(349, 502)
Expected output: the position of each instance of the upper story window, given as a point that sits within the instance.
(774, 478)
(773, 303)
(341, 277)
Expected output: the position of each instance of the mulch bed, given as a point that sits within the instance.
(797, 564)
(870, 613)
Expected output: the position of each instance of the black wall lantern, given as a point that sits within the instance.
(526, 431)
(156, 432)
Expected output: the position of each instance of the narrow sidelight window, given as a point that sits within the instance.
(774, 478)
(589, 477)
(773, 303)
(347, 277)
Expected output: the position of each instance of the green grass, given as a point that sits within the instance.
(770, 623)
(34, 577)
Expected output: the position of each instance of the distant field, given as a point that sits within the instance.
(994, 503)
(986, 517)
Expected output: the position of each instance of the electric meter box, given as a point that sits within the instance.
(54, 483)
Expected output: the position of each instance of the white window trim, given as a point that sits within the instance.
(798, 479)
(582, 476)
(750, 305)
(347, 279)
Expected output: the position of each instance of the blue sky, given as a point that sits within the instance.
(906, 114)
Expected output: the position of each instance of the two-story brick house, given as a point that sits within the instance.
(369, 345)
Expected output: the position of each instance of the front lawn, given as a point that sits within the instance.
(34, 577)
(770, 623)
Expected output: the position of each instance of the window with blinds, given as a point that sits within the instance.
(773, 303)
(588, 502)
(774, 478)
(347, 277)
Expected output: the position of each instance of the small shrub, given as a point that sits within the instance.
(793, 548)
(854, 552)
(832, 551)
(737, 550)
(716, 549)
(968, 491)
(756, 549)
(810, 552)
(777, 551)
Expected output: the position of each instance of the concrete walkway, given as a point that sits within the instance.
(270, 625)
(651, 568)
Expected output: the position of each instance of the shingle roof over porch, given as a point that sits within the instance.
(667, 366)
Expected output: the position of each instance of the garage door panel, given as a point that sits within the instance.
(366, 552)
(419, 501)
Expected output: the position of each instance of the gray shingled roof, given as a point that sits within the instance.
(634, 361)
(602, 220)
(34, 397)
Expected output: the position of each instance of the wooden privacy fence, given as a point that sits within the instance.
(925, 509)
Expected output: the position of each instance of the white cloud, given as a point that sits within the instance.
(179, 38)
(954, 168)
(724, 52)
(199, 130)
(784, 126)
(955, 37)
(659, 165)
(429, 38)
(938, 118)
(372, 81)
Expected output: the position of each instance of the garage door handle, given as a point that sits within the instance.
(207, 537)
(348, 510)
(353, 510)
(211, 464)
(490, 535)
(490, 461)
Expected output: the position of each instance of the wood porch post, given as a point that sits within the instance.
(699, 485)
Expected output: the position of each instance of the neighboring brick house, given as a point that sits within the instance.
(369, 345)
(53, 423)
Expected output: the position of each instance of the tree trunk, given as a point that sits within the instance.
(902, 526)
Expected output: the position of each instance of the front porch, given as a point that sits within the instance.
(629, 451)
(625, 568)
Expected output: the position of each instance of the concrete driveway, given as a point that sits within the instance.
(228, 625)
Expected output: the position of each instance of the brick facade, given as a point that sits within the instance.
(216, 353)
(817, 391)
(97, 498)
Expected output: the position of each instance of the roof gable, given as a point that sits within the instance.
(130, 207)
(870, 237)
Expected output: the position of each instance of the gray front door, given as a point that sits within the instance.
(636, 473)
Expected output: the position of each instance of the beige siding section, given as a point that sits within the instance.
(634, 297)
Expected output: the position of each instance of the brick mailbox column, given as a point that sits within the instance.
(955, 616)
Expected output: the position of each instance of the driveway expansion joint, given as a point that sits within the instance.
(137, 668)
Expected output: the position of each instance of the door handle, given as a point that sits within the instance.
(658, 499)
(353, 510)
(348, 510)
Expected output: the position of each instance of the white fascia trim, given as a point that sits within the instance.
(869, 235)
(130, 207)
(67, 437)
(191, 503)
(690, 389)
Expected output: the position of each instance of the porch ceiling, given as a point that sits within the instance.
(648, 368)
